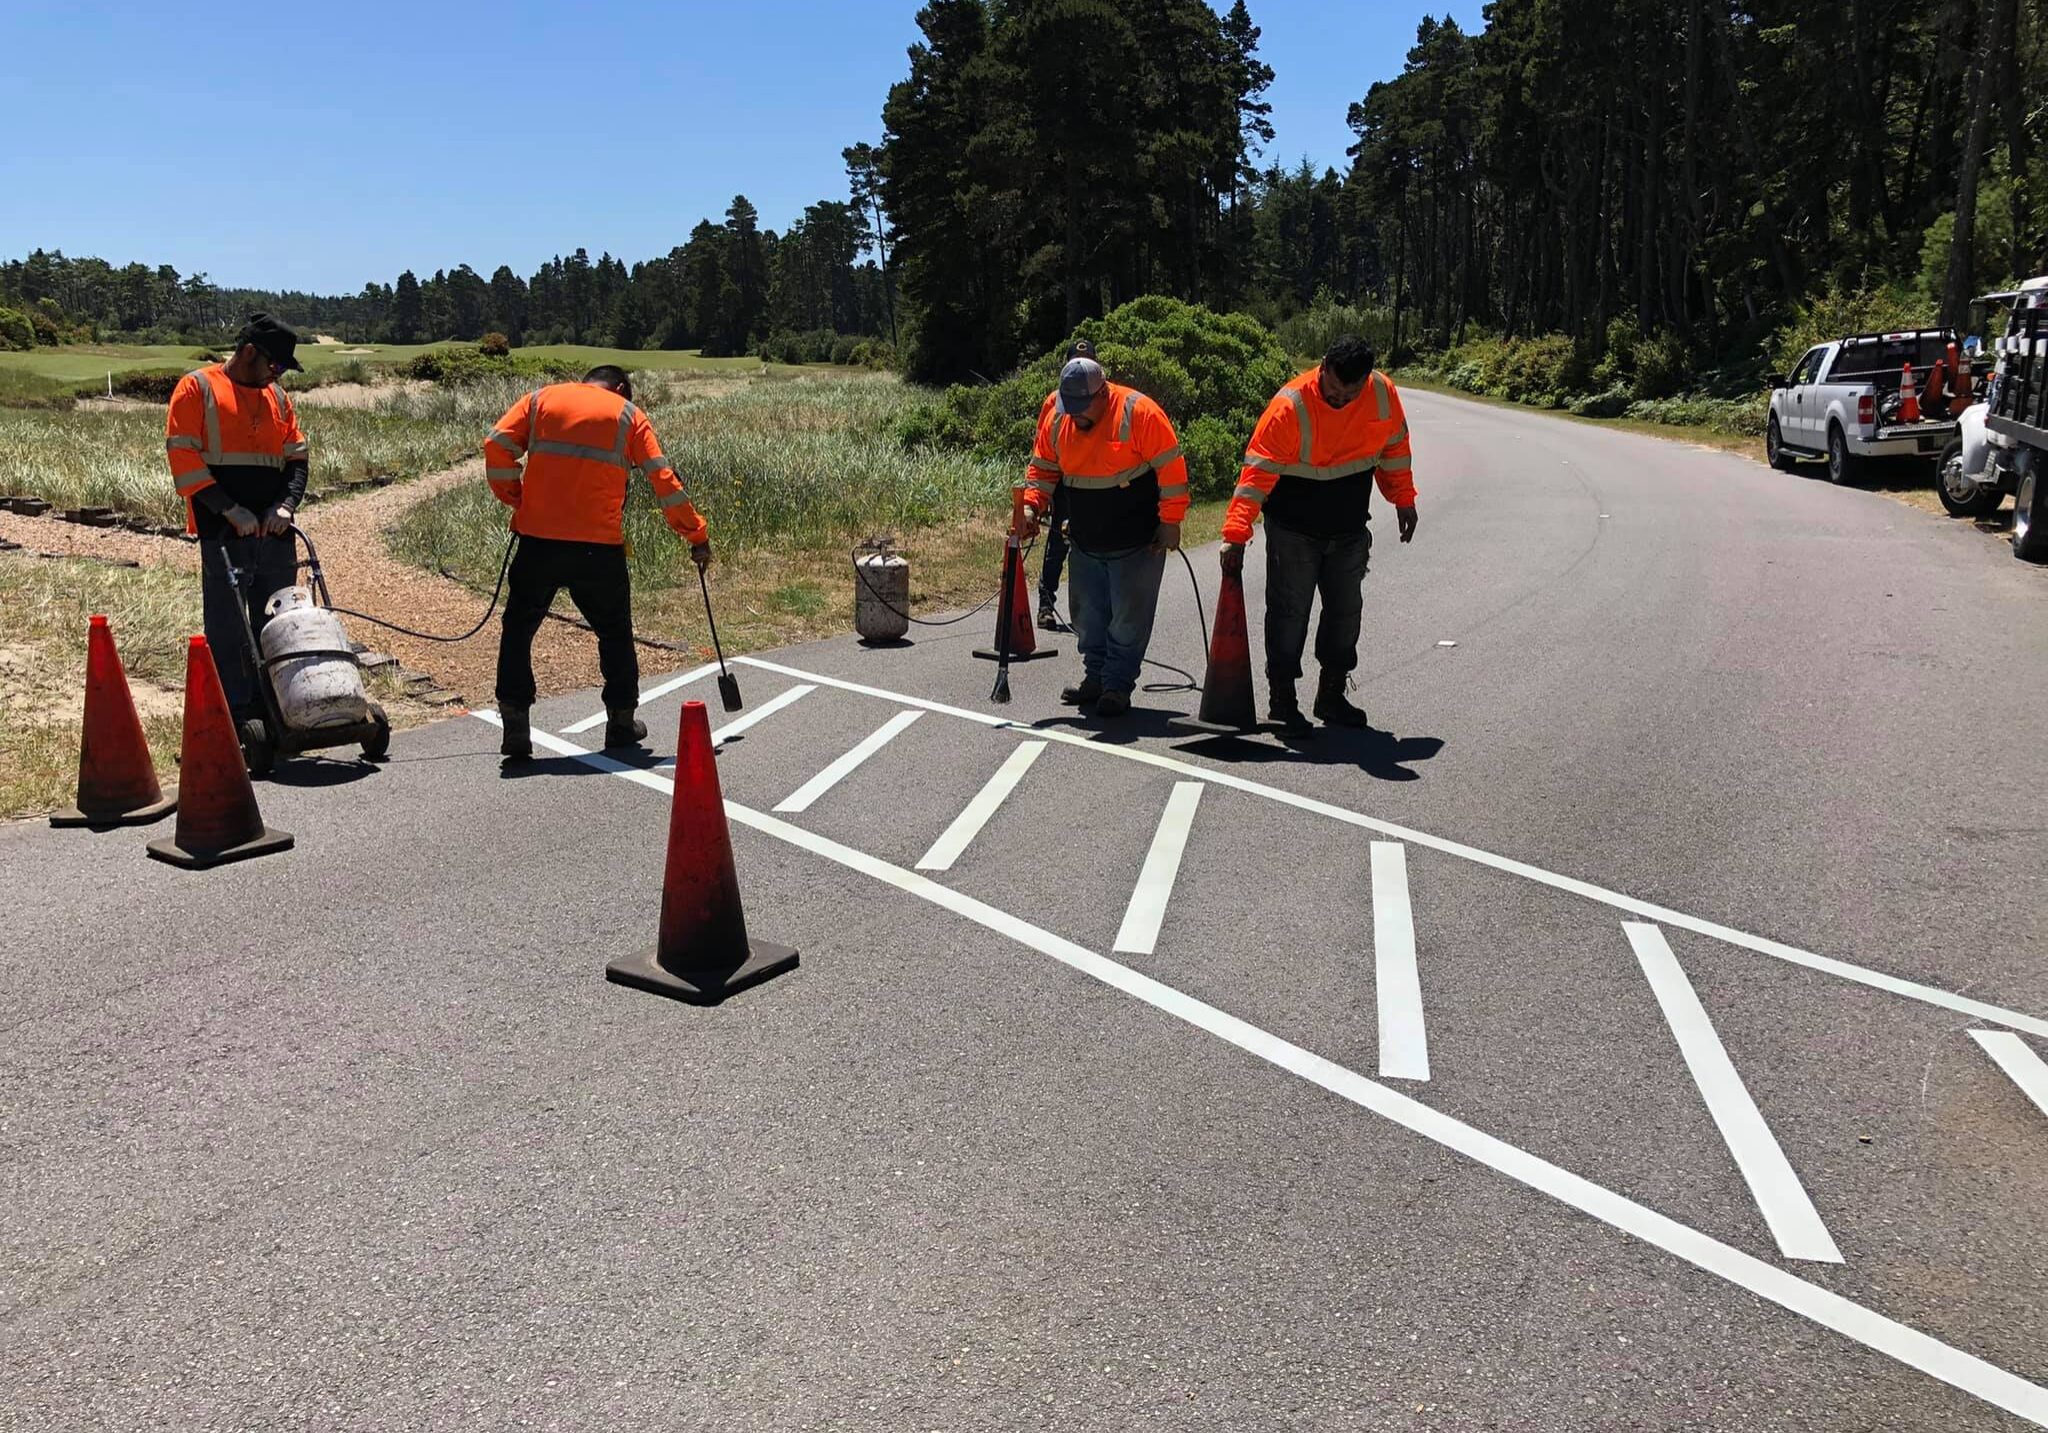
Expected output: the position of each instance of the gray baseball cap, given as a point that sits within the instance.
(1080, 381)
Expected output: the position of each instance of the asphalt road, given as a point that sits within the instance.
(358, 1137)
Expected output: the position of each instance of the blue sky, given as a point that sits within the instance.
(317, 146)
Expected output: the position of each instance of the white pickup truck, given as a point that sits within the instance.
(1841, 402)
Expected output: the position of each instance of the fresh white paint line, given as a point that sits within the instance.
(1794, 1222)
(1663, 915)
(1950, 1365)
(967, 825)
(659, 689)
(760, 713)
(1404, 1044)
(2017, 1058)
(838, 771)
(1140, 930)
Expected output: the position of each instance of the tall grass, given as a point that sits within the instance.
(807, 464)
(116, 459)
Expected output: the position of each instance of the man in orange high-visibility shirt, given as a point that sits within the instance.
(1318, 448)
(582, 442)
(239, 461)
(1115, 452)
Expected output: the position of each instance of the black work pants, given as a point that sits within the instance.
(1298, 568)
(1055, 550)
(266, 564)
(595, 574)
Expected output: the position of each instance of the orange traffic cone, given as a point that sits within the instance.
(1227, 687)
(703, 953)
(217, 817)
(1909, 399)
(117, 783)
(1959, 384)
(1937, 377)
(1013, 609)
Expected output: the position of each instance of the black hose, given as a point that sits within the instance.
(511, 544)
(926, 621)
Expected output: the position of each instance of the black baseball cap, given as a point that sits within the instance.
(273, 340)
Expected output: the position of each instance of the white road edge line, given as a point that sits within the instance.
(1944, 1362)
(1140, 931)
(1663, 915)
(2017, 1058)
(967, 825)
(1404, 1041)
(1795, 1223)
(659, 689)
(801, 798)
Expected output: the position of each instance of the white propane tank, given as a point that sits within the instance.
(881, 593)
(315, 675)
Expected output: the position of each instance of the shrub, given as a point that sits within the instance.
(1663, 365)
(1836, 312)
(874, 353)
(842, 350)
(150, 385)
(494, 345)
(1198, 364)
(467, 365)
(1309, 334)
(16, 332)
(1609, 403)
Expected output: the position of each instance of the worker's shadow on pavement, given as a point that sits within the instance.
(1379, 754)
(314, 772)
(640, 758)
(1139, 722)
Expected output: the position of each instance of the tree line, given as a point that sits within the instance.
(729, 289)
(1693, 171)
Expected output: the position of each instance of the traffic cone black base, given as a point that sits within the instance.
(269, 843)
(704, 985)
(990, 654)
(140, 816)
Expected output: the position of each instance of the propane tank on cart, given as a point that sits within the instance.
(881, 591)
(312, 669)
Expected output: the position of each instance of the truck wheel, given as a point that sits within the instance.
(1963, 496)
(2030, 517)
(1844, 467)
(1774, 447)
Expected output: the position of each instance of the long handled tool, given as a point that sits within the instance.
(1010, 567)
(728, 684)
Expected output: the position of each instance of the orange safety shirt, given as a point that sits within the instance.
(582, 444)
(1308, 464)
(1124, 476)
(245, 440)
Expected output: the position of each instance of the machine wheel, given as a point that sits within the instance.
(379, 741)
(1774, 447)
(1844, 467)
(1961, 496)
(2030, 516)
(257, 748)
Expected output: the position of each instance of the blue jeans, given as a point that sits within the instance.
(1114, 601)
(267, 563)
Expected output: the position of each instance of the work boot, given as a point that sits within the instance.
(622, 728)
(1048, 617)
(1332, 708)
(1285, 712)
(1090, 690)
(518, 742)
(1113, 704)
